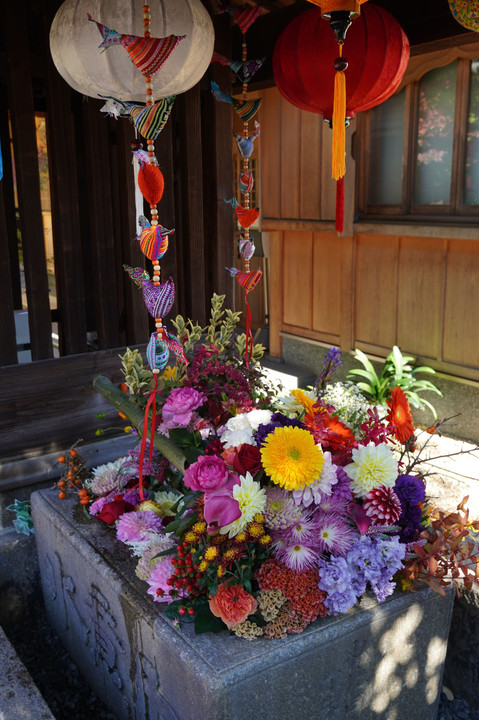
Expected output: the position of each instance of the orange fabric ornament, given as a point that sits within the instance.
(151, 183)
(328, 6)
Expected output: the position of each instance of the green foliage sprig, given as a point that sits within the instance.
(397, 371)
(138, 378)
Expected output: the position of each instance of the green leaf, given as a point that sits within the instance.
(424, 369)
(398, 361)
(182, 437)
(366, 362)
(163, 553)
(205, 621)
(363, 373)
(367, 389)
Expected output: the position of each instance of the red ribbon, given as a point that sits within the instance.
(248, 351)
(340, 205)
(151, 403)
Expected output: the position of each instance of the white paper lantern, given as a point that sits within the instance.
(74, 45)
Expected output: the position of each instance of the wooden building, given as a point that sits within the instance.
(404, 271)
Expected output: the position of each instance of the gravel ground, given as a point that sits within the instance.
(70, 698)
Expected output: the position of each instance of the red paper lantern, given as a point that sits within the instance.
(374, 54)
(376, 48)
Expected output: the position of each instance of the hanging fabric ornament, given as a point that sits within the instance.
(244, 71)
(159, 298)
(173, 344)
(466, 12)
(157, 352)
(246, 216)
(246, 247)
(147, 53)
(245, 145)
(149, 120)
(245, 16)
(246, 109)
(246, 182)
(150, 178)
(154, 239)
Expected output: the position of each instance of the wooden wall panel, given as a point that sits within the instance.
(326, 283)
(275, 291)
(420, 296)
(270, 156)
(298, 278)
(310, 166)
(290, 160)
(461, 316)
(376, 290)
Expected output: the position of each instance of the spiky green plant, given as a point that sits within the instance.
(397, 371)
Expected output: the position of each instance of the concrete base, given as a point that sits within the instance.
(378, 662)
(20, 698)
(461, 671)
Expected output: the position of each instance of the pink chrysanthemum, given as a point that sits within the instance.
(158, 581)
(281, 511)
(149, 560)
(137, 526)
(303, 532)
(334, 534)
(382, 505)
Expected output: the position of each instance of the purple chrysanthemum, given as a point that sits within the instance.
(149, 560)
(137, 526)
(343, 486)
(334, 504)
(157, 581)
(281, 511)
(334, 535)
(133, 496)
(298, 557)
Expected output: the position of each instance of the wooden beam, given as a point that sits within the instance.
(28, 181)
(217, 131)
(104, 255)
(189, 207)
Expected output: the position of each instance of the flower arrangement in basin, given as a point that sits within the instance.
(259, 512)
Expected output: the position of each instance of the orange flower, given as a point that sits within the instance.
(232, 604)
(399, 415)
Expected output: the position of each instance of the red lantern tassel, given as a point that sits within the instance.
(340, 205)
(151, 403)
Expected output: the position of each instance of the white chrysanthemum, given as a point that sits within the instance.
(107, 477)
(240, 428)
(322, 487)
(251, 498)
(165, 500)
(372, 466)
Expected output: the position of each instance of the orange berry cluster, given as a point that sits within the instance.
(73, 476)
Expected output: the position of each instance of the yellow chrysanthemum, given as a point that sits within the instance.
(255, 530)
(199, 527)
(291, 458)
(202, 566)
(190, 537)
(169, 373)
(211, 553)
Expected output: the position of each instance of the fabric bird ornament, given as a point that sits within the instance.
(157, 352)
(148, 54)
(159, 298)
(149, 120)
(153, 239)
(246, 182)
(244, 70)
(246, 109)
(246, 145)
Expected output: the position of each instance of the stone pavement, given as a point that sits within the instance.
(453, 467)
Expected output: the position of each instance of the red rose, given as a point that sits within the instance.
(247, 459)
(112, 510)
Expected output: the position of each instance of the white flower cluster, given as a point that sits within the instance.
(349, 405)
(240, 428)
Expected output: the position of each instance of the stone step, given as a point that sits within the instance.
(19, 696)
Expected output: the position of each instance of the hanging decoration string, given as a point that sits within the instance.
(339, 117)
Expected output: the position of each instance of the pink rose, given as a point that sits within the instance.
(178, 409)
(208, 473)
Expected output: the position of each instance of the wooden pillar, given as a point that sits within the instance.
(8, 346)
(28, 183)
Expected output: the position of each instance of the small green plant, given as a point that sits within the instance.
(397, 371)
(23, 522)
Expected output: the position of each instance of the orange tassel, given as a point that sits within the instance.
(339, 118)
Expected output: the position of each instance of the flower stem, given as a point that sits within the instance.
(136, 416)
